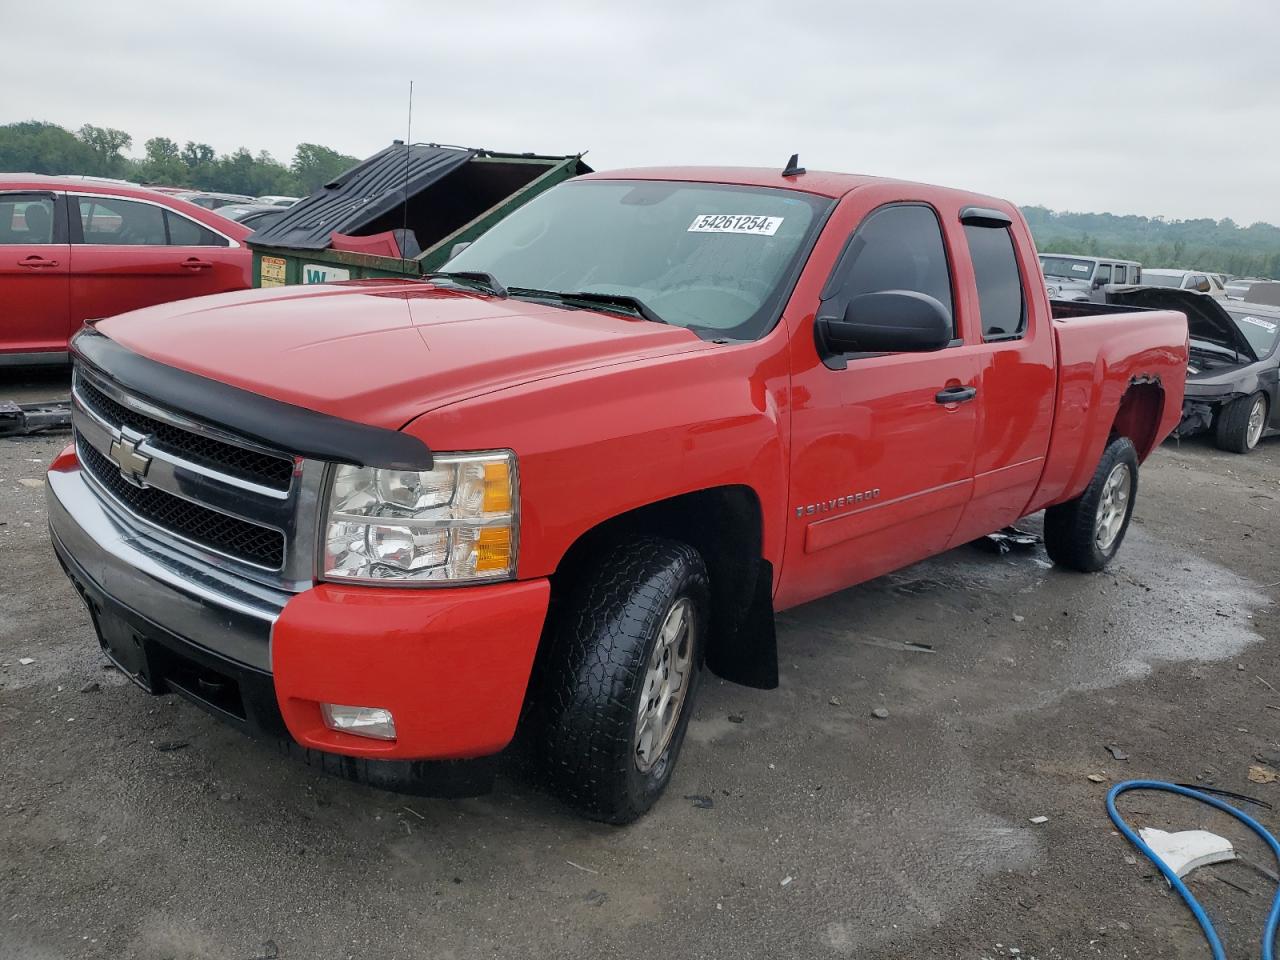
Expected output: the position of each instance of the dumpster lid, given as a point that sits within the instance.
(361, 195)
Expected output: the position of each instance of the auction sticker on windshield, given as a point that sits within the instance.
(735, 223)
(1266, 325)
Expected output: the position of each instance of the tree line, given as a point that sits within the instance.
(34, 146)
(1220, 246)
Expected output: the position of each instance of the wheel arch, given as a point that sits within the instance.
(725, 524)
(1138, 416)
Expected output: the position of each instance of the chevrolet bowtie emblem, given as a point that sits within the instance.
(133, 465)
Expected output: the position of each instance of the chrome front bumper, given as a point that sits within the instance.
(209, 608)
(175, 625)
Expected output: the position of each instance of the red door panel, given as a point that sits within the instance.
(209, 268)
(214, 269)
(1016, 389)
(897, 464)
(34, 259)
(1017, 384)
(109, 280)
(122, 258)
(881, 470)
(106, 280)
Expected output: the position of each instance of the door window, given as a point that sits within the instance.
(1120, 274)
(995, 268)
(897, 247)
(26, 219)
(188, 233)
(106, 220)
(1103, 274)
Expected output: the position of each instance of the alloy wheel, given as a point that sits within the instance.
(666, 685)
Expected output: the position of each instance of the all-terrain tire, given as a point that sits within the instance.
(1232, 431)
(591, 677)
(1071, 529)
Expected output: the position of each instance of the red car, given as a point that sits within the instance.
(73, 250)
(389, 522)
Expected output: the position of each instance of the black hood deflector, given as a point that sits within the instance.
(274, 423)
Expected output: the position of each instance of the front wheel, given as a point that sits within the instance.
(1240, 424)
(616, 684)
(1085, 533)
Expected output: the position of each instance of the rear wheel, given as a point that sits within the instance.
(1240, 423)
(1085, 533)
(615, 687)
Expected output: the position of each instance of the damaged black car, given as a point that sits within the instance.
(1233, 372)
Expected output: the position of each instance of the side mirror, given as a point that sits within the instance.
(889, 321)
(1203, 286)
(1099, 283)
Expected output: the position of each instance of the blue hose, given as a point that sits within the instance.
(1202, 918)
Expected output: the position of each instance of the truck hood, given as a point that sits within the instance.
(1207, 320)
(384, 352)
(1067, 287)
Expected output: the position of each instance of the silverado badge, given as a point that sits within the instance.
(848, 500)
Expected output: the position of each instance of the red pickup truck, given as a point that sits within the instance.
(396, 523)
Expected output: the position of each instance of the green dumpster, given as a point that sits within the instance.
(400, 213)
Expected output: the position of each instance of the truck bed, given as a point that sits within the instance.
(1113, 362)
(1074, 309)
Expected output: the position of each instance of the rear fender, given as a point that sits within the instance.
(1101, 359)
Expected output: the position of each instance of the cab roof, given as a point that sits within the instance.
(821, 182)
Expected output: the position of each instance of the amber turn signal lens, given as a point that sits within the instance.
(493, 549)
(497, 488)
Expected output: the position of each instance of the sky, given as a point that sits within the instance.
(1157, 108)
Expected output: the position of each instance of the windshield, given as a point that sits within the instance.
(1261, 332)
(716, 259)
(1067, 267)
(1152, 279)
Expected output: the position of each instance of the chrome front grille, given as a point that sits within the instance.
(264, 468)
(217, 531)
(209, 493)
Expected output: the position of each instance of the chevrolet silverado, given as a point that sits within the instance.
(399, 524)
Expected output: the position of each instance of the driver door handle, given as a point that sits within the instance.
(193, 264)
(956, 394)
(36, 261)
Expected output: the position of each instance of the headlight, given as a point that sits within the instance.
(456, 522)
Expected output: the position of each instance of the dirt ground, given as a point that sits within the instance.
(133, 826)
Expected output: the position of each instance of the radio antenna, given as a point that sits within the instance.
(408, 146)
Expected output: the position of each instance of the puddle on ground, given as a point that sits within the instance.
(991, 618)
(1151, 607)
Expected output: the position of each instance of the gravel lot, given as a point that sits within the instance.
(133, 826)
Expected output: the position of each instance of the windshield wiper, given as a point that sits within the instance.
(621, 301)
(488, 280)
